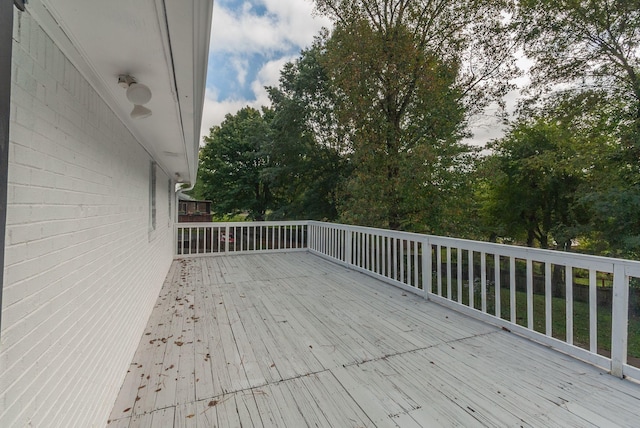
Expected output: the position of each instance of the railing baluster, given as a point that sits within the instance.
(530, 294)
(427, 260)
(459, 266)
(376, 253)
(393, 268)
(568, 277)
(449, 285)
(416, 282)
(409, 271)
(439, 269)
(363, 249)
(483, 281)
(470, 274)
(547, 299)
(402, 241)
(512, 289)
(387, 269)
(367, 251)
(349, 247)
(593, 312)
(497, 284)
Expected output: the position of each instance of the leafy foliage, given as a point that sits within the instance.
(232, 163)
(586, 43)
(308, 144)
(594, 46)
(532, 185)
(398, 68)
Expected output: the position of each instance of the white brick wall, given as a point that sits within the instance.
(82, 272)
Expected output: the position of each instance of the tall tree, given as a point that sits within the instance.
(406, 91)
(530, 195)
(308, 148)
(584, 43)
(595, 45)
(232, 163)
(536, 179)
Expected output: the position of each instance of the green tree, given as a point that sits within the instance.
(531, 183)
(584, 43)
(406, 92)
(308, 145)
(232, 163)
(595, 45)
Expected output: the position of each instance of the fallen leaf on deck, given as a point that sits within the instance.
(213, 403)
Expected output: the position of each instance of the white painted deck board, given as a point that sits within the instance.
(290, 340)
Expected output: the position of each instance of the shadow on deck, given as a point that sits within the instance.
(290, 340)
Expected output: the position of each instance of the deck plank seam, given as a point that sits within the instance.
(331, 370)
(420, 349)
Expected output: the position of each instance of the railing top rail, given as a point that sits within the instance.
(604, 264)
(243, 223)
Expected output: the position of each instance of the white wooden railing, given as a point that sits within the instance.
(193, 239)
(517, 288)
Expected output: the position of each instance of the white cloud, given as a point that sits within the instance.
(286, 24)
(241, 67)
(239, 31)
(268, 75)
(215, 109)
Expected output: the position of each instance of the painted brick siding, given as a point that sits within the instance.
(82, 270)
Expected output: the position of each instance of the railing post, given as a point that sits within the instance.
(175, 239)
(620, 320)
(426, 267)
(226, 239)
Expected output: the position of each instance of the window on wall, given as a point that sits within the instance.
(152, 197)
(169, 198)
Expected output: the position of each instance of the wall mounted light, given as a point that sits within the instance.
(137, 94)
(20, 4)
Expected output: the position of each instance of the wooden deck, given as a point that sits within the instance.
(290, 340)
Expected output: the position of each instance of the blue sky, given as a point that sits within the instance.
(250, 42)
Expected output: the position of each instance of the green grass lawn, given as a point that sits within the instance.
(558, 317)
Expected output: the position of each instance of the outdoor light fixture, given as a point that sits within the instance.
(138, 94)
(20, 4)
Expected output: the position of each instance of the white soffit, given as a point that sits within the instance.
(162, 43)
